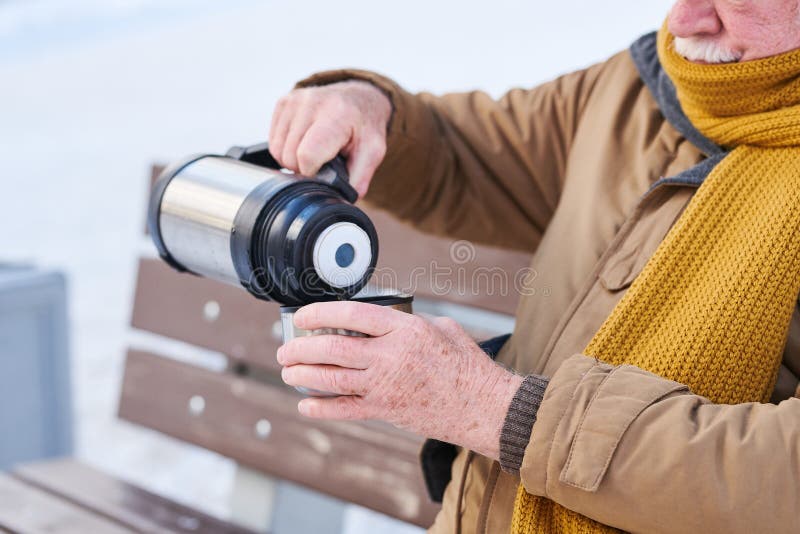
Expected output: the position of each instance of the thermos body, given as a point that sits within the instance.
(198, 211)
(244, 221)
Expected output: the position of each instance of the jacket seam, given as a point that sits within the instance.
(483, 515)
(461, 487)
(580, 297)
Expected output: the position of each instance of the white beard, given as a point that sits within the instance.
(700, 49)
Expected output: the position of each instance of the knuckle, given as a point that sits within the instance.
(288, 103)
(298, 94)
(447, 323)
(313, 409)
(304, 99)
(351, 311)
(309, 316)
(350, 409)
(295, 349)
(337, 100)
(306, 156)
(333, 379)
(378, 148)
(339, 105)
(281, 103)
(302, 94)
(336, 345)
(417, 323)
(316, 314)
(309, 91)
(372, 148)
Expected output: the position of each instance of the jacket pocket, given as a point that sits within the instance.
(618, 401)
(622, 269)
(658, 214)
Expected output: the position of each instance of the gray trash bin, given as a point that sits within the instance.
(35, 403)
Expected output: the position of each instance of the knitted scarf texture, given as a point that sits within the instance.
(712, 306)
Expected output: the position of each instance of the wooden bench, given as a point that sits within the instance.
(67, 497)
(202, 369)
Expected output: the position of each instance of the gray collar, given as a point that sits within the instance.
(645, 56)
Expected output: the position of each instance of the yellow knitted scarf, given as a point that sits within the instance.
(711, 308)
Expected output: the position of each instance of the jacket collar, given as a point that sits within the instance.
(645, 57)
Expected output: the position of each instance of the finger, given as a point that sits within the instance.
(341, 350)
(369, 319)
(363, 161)
(331, 378)
(450, 326)
(342, 408)
(276, 115)
(300, 123)
(279, 131)
(321, 143)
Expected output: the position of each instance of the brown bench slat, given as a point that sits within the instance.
(368, 463)
(247, 330)
(172, 304)
(444, 269)
(406, 252)
(27, 509)
(119, 501)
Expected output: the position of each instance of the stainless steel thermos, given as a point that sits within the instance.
(240, 219)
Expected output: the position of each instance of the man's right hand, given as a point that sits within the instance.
(310, 126)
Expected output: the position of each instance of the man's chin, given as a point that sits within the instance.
(705, 52)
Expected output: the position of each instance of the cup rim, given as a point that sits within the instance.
(380, 300)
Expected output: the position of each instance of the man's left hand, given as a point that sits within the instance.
(428, 377)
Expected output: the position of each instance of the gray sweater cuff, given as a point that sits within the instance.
(516, 432)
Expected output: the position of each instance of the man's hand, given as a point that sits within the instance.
(428, 377)
(313, 125)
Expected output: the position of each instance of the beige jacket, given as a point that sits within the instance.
(574, 170)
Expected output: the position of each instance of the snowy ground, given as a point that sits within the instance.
(92, 91)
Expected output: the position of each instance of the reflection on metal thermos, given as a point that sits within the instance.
(240, 219)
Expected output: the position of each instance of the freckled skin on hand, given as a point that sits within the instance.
(428, 377)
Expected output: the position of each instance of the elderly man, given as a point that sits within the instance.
(653, 388)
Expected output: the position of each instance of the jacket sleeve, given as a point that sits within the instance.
(470, 167)
(641, 453)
